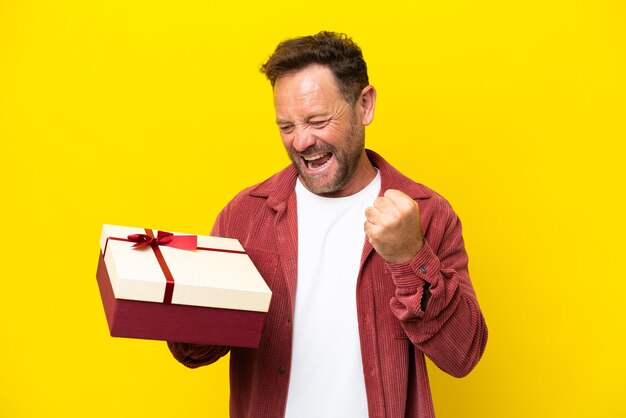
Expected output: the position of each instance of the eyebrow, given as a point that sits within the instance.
(307, 118)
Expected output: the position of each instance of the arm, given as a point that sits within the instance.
(196, 355)
(437, 306)
(434, 299)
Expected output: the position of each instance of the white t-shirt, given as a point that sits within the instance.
(326, 378)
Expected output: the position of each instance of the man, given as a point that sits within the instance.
(368, 269)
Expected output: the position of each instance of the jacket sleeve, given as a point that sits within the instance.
(436, 303)
(196, 355)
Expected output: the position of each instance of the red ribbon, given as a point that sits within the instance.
(183, 242)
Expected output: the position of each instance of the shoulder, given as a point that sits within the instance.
(254, 201)
(431, 203)
(274, 189)
(392, 178)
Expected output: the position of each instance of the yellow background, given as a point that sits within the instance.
(153, 113)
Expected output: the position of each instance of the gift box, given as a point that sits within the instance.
(177, 287)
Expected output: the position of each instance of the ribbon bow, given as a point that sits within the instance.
(183, 242)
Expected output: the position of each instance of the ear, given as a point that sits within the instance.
(366, 103)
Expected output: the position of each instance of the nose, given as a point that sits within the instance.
(303, 138)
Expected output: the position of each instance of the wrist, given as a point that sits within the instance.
(406, 256)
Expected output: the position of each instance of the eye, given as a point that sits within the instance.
(319, 123)
(285, 128)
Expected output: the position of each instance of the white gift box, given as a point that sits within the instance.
(215, 295)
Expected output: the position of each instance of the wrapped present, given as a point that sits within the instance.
(176, 287)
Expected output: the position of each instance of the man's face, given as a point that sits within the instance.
(321, 132)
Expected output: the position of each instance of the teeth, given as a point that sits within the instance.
(314, 156)
(311, 158)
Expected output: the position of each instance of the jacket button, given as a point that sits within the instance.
(282, 370)
(423, 270)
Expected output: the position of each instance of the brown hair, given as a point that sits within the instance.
(334, 50)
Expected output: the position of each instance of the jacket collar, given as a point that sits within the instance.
(279, 187)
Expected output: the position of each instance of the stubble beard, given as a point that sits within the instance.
(346, 158)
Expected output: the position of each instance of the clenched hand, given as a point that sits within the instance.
(393, 228)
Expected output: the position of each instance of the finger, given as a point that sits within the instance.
(367, 227)
(382, 218)
(372, 231)
(373, 214)
(386, 205)
(399, 199)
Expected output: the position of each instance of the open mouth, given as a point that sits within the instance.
(316, 162)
